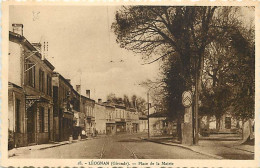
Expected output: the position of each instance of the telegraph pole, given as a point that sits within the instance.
(148, 106)
(196, 136)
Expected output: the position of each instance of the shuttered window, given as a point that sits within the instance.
(17, 116)
(41, 119)
(30, 73)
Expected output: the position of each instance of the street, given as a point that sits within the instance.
(122, 146)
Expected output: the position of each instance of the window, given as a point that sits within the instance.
(46, 120)
(228, 122)
(41, 80)
(41, 119)
(30, 73)
(49, 87)
(17, 115)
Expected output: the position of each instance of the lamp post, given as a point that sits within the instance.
(148, 110)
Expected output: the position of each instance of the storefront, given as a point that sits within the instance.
(120, 127)
(110, 128)
(39, 120)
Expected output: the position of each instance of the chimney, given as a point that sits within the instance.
(88, 93)
(99, 101)
(78, 88)
(68, 80)
(18, 28)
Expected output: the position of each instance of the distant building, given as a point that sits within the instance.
(227, 123)
(78, 119)
(120, 119)
(100, 117)
(134, 120)
(157, 123)
(143, 123)
(90, 124)
(129, 127)
(111, 119)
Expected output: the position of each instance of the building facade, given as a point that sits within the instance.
(120, 118)
(135, 120)
(63, 105)
(30, 86)
(143, 123)
(100, 117)
(129, 127)
(110, 119)
(90, 124)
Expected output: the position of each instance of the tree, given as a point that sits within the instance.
(167, 31)
(183, 38)
(164, 30)
(136, 102)
(229, 62)
(127, 101)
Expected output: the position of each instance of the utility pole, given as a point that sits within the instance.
(196, 137)
(148, 106)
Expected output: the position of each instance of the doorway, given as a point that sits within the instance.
(31, 125)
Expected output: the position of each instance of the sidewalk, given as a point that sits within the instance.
(27, 149)
(218, 148)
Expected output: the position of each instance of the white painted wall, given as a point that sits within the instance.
(15, 63)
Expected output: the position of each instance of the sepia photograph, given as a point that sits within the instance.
(130, 82)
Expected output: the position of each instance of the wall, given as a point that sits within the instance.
(100, 118)
(17, 138)
(156, 126)
(212, 123)
(143, 125)
(15, 64)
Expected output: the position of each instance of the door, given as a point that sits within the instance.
(49, 128)
(31, 125)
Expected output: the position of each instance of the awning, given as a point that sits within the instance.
(30, 100)
(68, 115)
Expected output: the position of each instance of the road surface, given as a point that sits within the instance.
(124, 146)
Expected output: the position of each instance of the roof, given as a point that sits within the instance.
(132, 109)
(62, 77)
(21, 39)
(49, 64)
(157, 115)
(121, 106)
(87, 98)
(10, 84)
(143, 117)
(107, 104)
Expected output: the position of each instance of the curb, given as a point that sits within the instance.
(67, 143)
(53, 146)
(185, 147)
(240, 149)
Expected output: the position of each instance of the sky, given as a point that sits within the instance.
(83, 48)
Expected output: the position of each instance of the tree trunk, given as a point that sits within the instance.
(218, 123)
(243, 123)
(207, 123)
(179, 131)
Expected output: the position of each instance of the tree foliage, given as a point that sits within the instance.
(228, 73)
(135, 102)
(209, 41)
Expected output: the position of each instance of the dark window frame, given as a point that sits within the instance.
(30, 73)
(228, 122)
(17, 115)
(49, 85)
(41, 119)
(41, 80)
